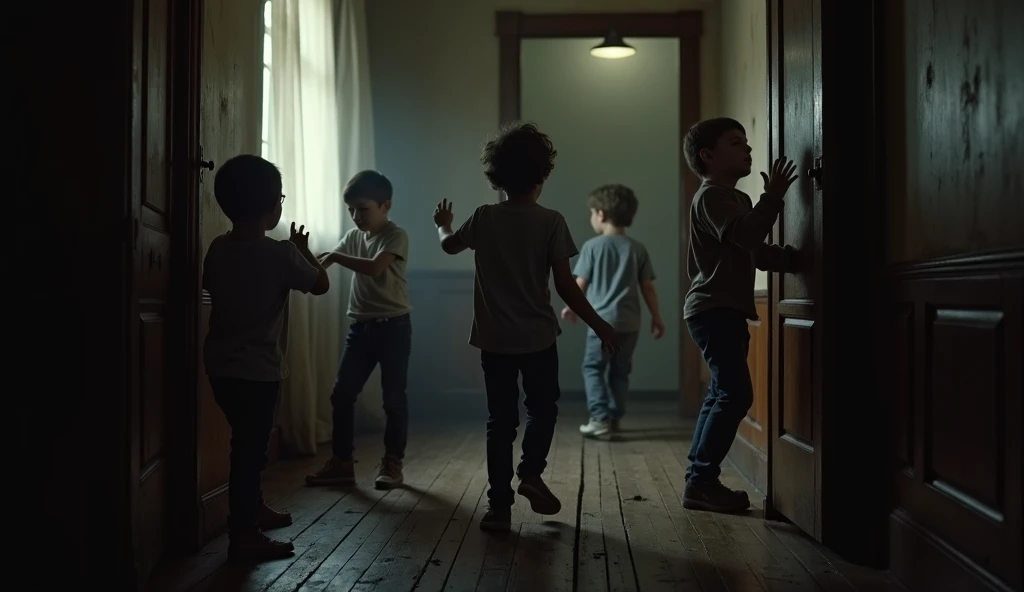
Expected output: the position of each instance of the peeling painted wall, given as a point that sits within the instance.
(954, 127)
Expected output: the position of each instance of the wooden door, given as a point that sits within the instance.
(165, 301)
(797, 329)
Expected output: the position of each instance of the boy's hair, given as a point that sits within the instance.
(368, 185)
(247, 187)
(705, 134)
(519, 159)
(618, 203)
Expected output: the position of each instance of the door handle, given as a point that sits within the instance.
(816, 173)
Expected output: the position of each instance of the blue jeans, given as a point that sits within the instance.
(723, 337)
(387, 342)
(540, 385)
(606, 377)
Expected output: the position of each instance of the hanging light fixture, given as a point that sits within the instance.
(613, 48)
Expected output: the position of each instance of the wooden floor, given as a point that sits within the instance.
(621, 525)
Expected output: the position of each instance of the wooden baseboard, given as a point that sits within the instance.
(923, 561)
(750, 462)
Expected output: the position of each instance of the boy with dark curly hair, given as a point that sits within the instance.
(613, 271)
(517, 246)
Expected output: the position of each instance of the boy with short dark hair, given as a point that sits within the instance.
(727, 234)
(249, 277)
(377, 251)
(613, 269)
(517, 246)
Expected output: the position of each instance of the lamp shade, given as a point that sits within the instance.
(613, 47)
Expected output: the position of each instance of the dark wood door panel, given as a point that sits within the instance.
(959, 471)
(798, 136)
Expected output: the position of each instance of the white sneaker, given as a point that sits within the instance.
(595, 428)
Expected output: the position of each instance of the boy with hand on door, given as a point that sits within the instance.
(517, 245)
(376, 250)
(249, 277)
(611, 270)
(727, 235)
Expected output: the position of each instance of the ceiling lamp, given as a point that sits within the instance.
(613, 48)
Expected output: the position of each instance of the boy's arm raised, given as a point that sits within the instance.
(451, 242)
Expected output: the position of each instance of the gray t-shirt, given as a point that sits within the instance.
(614, 265)
(249, 283)
(514, 248)
(387, 295)
(721, 271)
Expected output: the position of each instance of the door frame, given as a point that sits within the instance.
(852, 489)
(685, 25)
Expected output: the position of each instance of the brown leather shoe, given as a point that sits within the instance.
(253, 546)
(390, 474)
(271, 518)
(334, 472)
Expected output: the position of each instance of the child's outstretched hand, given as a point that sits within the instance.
(300, 239)
(782, 175)
(569, 315)
(606, 333)
(657, 327)
(443, 214)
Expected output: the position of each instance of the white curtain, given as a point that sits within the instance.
(320, 134)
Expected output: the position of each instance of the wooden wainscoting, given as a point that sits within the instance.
(749, 451)
(214, 446)
(445, 379)
(954, 389)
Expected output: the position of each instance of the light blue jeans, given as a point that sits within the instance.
(606, 377)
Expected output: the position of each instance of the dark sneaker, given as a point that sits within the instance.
(254, 546)
(271, 518)
(541, 499)
(497, 520)
(334, 472)
(714, 497)
(390, 474)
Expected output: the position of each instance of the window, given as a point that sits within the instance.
(265, 127)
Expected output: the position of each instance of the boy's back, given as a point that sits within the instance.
(514, 247)
(614, 265)
(249, 282)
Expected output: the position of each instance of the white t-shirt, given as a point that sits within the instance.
(249, 282)
(514, 248)
(386, 295)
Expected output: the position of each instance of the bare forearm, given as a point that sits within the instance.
(750, 230)
(449, 243)
(356, 264)
(323, 282)
(651, 298)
